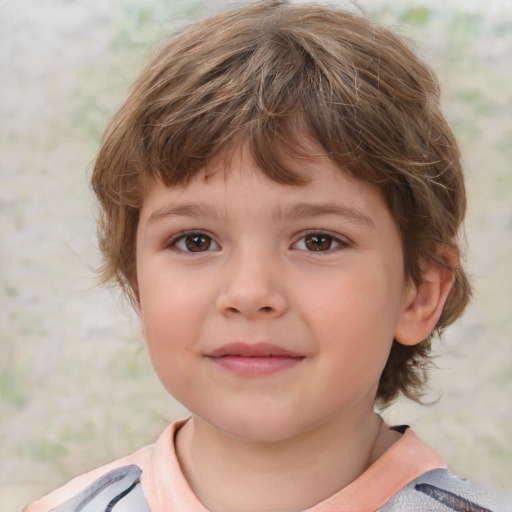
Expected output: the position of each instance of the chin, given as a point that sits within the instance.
(259, 429)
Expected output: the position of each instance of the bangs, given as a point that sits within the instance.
(279, 87)
(273, 94)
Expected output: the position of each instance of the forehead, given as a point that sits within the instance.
(306, 162)
(233, 184)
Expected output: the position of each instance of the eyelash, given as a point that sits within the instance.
(340, 242)
(183, 235)
(331, 239)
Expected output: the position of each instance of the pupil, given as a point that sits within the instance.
(318, 242)
(198, 243)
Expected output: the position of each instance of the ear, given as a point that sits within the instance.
(133, 292)
(424, 302)
(135, 303)
(138, 309)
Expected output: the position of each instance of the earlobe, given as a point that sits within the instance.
(424, 302)
(138, 309)
(136, 304)
(134, 295)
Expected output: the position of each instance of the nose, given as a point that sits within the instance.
(251, 289)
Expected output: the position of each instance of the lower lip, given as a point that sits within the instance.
(254, 366)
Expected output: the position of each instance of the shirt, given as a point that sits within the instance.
(165, 489)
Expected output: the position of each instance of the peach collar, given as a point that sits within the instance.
(405, 461)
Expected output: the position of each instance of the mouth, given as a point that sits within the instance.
(257, 359)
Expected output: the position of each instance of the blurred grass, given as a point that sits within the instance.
(76, 385)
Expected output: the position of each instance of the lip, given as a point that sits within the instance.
(260, 349)
(254, 359)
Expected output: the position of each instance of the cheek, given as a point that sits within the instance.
(355, 321)
(362, 299)
(168, 331)
(167, 312)
(174, 312)
(167, 321)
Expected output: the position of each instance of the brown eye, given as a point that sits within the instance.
(318, 242)
(198, 243)
(194, 242)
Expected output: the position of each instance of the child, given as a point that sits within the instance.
(281, 201)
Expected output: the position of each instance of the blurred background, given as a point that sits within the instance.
(76, 386)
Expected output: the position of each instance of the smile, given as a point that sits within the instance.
(254, 359)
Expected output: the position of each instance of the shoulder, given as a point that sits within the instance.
(121, 476)
(137, 482)
(120, 487)
(441, 491)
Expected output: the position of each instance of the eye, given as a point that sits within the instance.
(194, 242)
(319, 242)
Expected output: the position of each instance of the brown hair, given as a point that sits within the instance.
(268, 74)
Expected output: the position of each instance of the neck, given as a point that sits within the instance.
(229, 474)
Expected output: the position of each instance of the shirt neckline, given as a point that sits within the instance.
(402, 463)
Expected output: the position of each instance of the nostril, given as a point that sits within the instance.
(251, 304)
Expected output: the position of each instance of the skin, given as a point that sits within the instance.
(230, 259)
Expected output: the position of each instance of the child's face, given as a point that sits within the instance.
(269, 309)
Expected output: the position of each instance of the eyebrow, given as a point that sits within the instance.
(193, 210)
(305, 210)
(296, 211)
